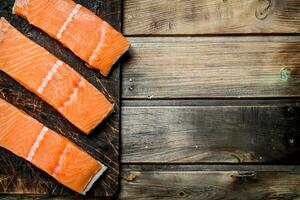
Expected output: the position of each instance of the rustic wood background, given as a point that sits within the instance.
(210, 100)
(18, 176)
(210, 104)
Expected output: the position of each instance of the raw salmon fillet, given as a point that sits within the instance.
(46, 149)
(51, 79)
(77, 28)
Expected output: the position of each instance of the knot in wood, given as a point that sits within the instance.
(243, 177)
(130, 175)
(181, 194)
(263, 9)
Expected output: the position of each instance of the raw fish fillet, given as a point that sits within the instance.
(46, 149)
(77, 28)
(51, 79)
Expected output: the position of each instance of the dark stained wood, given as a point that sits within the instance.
(206, 185)
(162, 17)
(210, 167)
(207, 102)
(210, 67)
(213, 132)
(18, 176)
(196, 182)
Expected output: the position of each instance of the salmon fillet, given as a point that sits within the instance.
(77, 28)
(49, 151)
(51, 79)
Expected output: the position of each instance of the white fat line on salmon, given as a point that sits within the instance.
(68, 21)
(99, 46)
(49, 76)
(73, 95)
(36, 144)
(94, 178)
(61, 160)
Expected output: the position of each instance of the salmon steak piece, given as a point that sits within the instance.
(47, 150)
(77, 28)
(52, 80)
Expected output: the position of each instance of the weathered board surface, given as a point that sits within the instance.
(211, 16)
(211, 131)
(178, 147)
(201, 67)
(18, 176)
(209, 185)
(183, 147)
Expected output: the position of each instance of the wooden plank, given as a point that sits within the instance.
(208, 102)
(18, 176)
(137, 184)
(206, 67)
(162, 17)
(210, 167)
(251, 132)
(178, 182)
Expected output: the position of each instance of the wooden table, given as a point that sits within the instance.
(210, 100)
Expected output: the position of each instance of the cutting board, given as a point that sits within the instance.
(19, 177)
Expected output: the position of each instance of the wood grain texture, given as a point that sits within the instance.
(209, 167)
(165, 17)
(195, 182)
(206, 185)
(250, 132)
(18, 176)
(210, 67)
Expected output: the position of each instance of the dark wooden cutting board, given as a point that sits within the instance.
(17, 176)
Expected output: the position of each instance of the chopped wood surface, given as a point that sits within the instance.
(18, 176)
